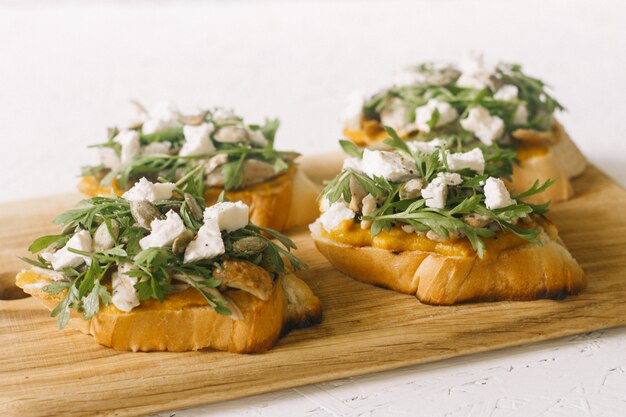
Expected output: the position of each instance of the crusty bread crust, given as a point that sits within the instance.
(185, 322)
(284, 202)
(524, 272)
(561, 161)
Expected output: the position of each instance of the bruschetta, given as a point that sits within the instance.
(422, 219)
(498, 105)
(155, 270)
(238, 158)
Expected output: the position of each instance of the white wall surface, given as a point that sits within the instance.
(68, 68)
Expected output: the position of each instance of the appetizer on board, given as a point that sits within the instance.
(499, 104)
(155, 270)
(428, 219)
(238, 158)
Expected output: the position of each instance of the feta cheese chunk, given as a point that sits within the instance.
(395, 115)
(436, 193)
(197, 139)
(109, 158)
(424, 114)
(496, 194)
(474, 72)
(450, 178)
(426, 148)
(207, 244)
(146, 190)
(353, 112)
(507, 92)
(228, 215)
(352, 163)
(125, 296)
(390, 165)
(224, 114)
(486, 127)
(164, 232)
(63, 258)
(474, 160)
(162, 116)
(157, 148)
(129, 139)
(336, 214)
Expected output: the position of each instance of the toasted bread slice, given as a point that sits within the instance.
(283, 202)
(543, 156)
(185, 322)
(521, 271)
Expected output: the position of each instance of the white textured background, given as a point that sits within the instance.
(67, 70)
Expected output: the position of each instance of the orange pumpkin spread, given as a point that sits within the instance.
(350, 233)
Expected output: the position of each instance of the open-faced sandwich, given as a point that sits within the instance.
(154, 270)
(238, 158)
(500, 105)
(435, 220)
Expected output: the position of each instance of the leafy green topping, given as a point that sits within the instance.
(464, 199)
(155, 268)
(172, 166)
(532, 93)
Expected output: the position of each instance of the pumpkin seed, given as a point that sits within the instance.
(252, 244)
(194, 207)
(144, 212)
(181, 242)
(104, 238)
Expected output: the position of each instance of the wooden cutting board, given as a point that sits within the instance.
(44, 371)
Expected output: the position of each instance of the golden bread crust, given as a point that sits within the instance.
(185, 322)
(522, 272)
(553, 156)
(281, 203)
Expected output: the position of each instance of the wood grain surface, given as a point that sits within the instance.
(44, 371)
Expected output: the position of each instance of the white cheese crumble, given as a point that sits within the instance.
(63, 258)
(507, 92)
(125, 296)
(228, 215)
(146, 190)
(197, 139)
(435, 193)
(406, 77)
(395, 115)
(450, 178)
(224, 114)
(474, 160)
(353, 112)
(486, 127)
(426, 148)
(207, 244)
(162, 116)
(424, 114)
(109, 158)
(390, 165)
(353, 163)
(164, 232)
(129, 139)
(157, 148)
(496, 194)
(336, 214)
(474, 72)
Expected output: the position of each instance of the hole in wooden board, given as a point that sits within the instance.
(10, 265)
(8, 289)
